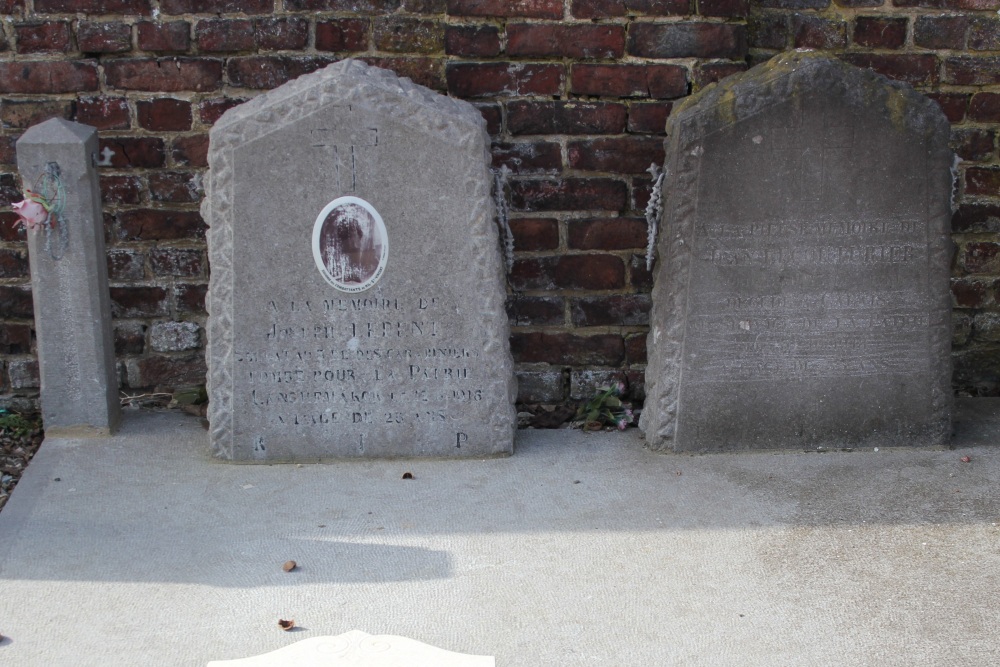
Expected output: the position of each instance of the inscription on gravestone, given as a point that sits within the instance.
(801, 294)
(356, 299)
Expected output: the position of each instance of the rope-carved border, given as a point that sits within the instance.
(455, 121)
(737, 99)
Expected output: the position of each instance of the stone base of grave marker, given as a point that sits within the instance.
(361, 649)
(802, 288)
(69, 281)
(357, 295)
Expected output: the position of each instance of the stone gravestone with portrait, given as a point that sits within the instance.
(802, 294)
(357, 297)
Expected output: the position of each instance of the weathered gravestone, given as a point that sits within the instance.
(801, 295)
(357, 298)
(69, 279)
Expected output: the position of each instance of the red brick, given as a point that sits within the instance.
(48, 37)
(177, 262)
(599, 9)
(768, 31)
(607, 233)
(126, 264)
(217, 35)
(706, 73)
(981, 257)
(493, 117)
(15, 338)
(13, 263)
(355, 6)
(648, 117)
(342, 35)
(190, 151)
(611, 310)
(10, 227)
(11, 6)
(813, 32)
(687, 40)
(22, 114)
(174, 36)
(860, 3)
(104, 37)
(976, 218)
(130, 7)
(879, 32)
(48, 76)
(190, 298)
(535, 9)
(588, 272)
(532, 234)
(968, 71)
(489, 79)
(656, 81)
(472, 40)
(133, 152)
(974, 144)
(15, 301)
(167, 372)
(104, 113)
(984, 34)
(425, 71)
(426, 6)
(795, 4)
(566, 41)
(926, 4)
(266, 72)
(8, 154)
(940, 32)
(635, 350)
(398, 34)
(971, 292)
(982, 181)
(630, 155)
(570, 349)
(724, 8)
(164, 114)
(525, 117)
(639, 277)
(912, 68)
(982, 5)
(216, 6)
(528, 157)
(174, 186)
(569, 194)
(953, 105)
(159, 225)
(130, 338)
(165, 75)
(211, 110)
(985, 108)
(279, 34)
(117, 189)
(538, 311)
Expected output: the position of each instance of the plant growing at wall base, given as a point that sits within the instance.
(606, 408)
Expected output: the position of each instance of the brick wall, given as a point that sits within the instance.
(575, 94)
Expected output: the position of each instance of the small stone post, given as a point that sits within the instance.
(69, 282)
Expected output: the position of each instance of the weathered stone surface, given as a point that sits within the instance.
(365, 327)
(801, 294)
(360, 648)
(69, 282)
(174, 336)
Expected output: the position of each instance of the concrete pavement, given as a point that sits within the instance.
(582, 549)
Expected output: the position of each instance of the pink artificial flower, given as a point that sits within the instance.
(30, 213)
(619, 388)
(622, 424)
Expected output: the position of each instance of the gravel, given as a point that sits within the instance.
(20, 436)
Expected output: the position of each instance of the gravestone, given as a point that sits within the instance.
(357, 299)
(801, 296)
(69, 280)
(360, 649)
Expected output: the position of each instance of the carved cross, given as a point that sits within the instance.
(347, 148)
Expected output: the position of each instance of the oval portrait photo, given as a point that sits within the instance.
(350, 244)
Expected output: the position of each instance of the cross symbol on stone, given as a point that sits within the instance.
(348, 147)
